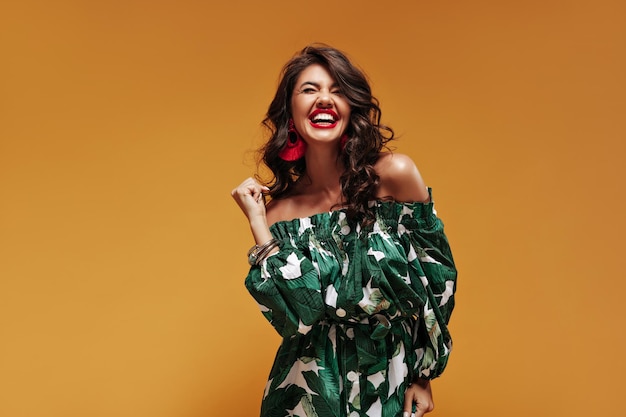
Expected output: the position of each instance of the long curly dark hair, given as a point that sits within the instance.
(366, 135)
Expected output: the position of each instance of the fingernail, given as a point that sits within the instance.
(406, 414)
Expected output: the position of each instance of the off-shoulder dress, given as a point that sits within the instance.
(362, 310)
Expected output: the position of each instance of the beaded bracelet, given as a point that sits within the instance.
(257, 253)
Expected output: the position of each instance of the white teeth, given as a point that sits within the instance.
(323, 117)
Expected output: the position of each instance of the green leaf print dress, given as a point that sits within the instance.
(362, 311)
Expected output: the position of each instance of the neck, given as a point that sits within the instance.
(323, 170)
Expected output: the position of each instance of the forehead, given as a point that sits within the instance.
(315, 73)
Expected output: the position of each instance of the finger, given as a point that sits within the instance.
(246, 190)
(261, 193)
(419, 412)
(256, 193)
(254, 187)
(408, 405)
(423, 407)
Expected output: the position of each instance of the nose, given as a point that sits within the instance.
(324, 99)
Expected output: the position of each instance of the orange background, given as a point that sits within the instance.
(125, 124)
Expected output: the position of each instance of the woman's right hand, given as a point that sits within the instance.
(249, 198)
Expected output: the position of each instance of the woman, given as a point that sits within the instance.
(350, 265)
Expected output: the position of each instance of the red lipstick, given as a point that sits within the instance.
(323, 118)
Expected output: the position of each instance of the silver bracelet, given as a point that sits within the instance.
(266, 253)
(257, 253)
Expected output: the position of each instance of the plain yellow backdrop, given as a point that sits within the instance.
(124, 125)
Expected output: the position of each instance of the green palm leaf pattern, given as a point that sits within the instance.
(362, 310)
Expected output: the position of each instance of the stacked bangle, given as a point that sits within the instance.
(257, 253)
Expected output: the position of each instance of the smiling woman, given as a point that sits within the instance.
(318, 108)
(351, 265)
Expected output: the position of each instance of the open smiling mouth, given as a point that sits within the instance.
(324, 119)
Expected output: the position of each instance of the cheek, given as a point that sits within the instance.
(299, 107)
(346, 112)
(344, 108)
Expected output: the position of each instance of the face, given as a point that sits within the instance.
(320, 111)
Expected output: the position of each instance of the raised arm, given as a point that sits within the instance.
(249, 198)
(285, 285)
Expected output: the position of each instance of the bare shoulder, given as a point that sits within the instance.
(288, 208)
(277, 210)
(399, 178)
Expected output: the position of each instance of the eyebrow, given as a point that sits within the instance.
(316, 85)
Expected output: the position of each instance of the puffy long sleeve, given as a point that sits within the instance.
(430, 260)
(287, 288)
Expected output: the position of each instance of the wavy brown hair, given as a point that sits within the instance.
(366, 135)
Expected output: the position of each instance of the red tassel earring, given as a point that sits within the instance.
(342, 143)
(295, 147)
